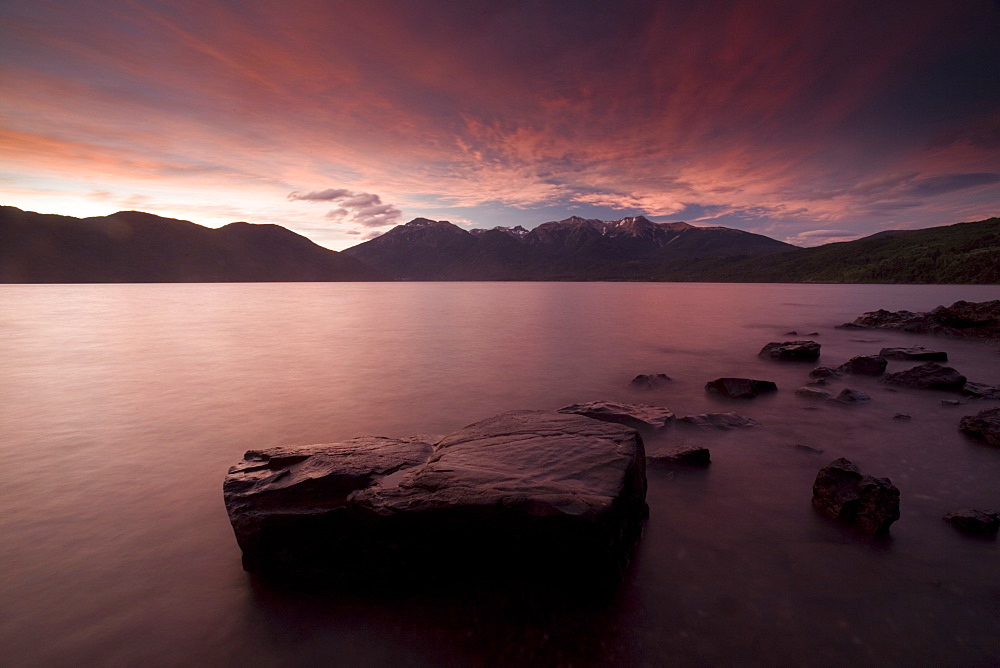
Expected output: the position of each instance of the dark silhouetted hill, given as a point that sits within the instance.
(136, 247)
(960, 253)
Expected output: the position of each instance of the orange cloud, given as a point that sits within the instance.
(773, 113)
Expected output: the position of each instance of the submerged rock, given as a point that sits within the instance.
(791, 350)
(850, 397)
(649, 381)
(974, 522)
(864, 365)
(718, 421)
(537, 492)
(813, 393)
(918, 353)
(637, 416)
(928, 376)
(862, 501)
(962, 318)
(740, 388)
(981, 391)
(984, 426)
(824, 372)
(680, 457)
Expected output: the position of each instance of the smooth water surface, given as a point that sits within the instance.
(122, 406)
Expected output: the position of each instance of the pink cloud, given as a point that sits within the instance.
(726, 105)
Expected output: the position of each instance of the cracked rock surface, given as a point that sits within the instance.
(533, 491)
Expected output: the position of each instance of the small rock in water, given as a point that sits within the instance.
(928, 376)
(791, 350)
(974, 522)
(824, 372)
(813, 334)
(813, 393)
(719, 421)
(864, 365)
(740, 388)
(901, 416)
(791, 333)
(637, 416)
(648, 381)
(870, 504)
(849, 396)
(808, 448)
(915, 353)
(681, 456)
(984, 425)
(951, 402)
(981, 391)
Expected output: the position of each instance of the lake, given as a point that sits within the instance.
(124, 405)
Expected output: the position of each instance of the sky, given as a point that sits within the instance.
(810, 122)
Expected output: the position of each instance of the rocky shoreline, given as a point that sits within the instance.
(561, 493)
(963, 319)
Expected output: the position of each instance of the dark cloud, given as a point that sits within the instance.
(357, 208)
(939, 185)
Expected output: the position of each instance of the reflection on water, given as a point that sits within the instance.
(123, 405)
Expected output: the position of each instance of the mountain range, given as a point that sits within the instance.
(575, 249)
(136, 247)
(959, 253)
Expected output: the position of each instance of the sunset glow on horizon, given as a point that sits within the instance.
(805, 122)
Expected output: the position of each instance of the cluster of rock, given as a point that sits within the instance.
(962, 318)
(541, 491)
(871, 504)
(927, 376)
(549, 492)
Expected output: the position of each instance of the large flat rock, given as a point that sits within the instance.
(529, 491)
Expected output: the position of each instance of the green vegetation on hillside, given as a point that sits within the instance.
(961, 253)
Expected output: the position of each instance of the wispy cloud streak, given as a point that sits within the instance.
(785, 116)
